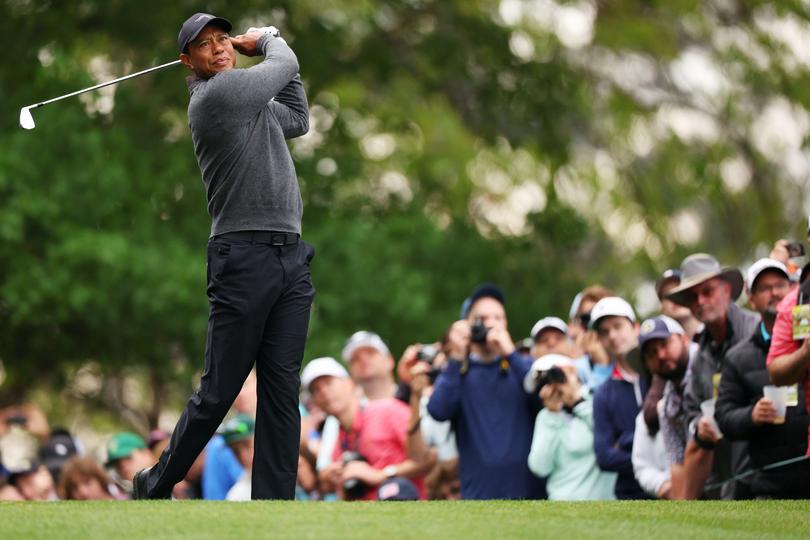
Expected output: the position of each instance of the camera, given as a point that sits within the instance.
(478, 332)
(428, 354)
(795, 249)
(353, 488)
(551, 376)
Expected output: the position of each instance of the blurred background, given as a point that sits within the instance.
(543, 145)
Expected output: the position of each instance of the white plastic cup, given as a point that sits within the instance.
(778, 395)
(707, 409)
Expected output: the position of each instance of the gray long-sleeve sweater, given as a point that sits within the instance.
(239, 121)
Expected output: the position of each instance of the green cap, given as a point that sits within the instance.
(238, 428)
(122, 445)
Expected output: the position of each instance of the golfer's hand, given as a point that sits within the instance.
(245, 44)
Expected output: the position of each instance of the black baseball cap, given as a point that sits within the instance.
(485, 290)
(194, 24)
(671, 274)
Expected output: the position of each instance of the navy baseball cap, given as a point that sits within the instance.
(485, 290)
(660, 327)
(397, 489)
(194, 24)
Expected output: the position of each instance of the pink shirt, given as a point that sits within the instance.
(782, 341)
(379, 434)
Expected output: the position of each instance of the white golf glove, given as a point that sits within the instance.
(272, 30)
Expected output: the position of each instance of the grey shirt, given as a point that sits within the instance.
(703, 380)
(240, 120)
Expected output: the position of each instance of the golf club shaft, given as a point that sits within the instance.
(108, 83)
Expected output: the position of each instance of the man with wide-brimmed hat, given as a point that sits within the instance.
(709, 291)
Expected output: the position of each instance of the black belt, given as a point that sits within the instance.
(261, 237)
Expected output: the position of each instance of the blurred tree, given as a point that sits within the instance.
(543, 145)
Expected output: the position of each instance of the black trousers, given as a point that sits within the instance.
(260, 299)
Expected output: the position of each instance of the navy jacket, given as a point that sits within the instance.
(615, 406)
(493, 419)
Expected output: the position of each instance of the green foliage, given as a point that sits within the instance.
(452, 142)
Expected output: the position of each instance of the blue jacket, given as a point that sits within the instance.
(493, 419)
(221, 470)
(616, 404)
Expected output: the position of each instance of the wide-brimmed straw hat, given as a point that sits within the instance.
(699, 268)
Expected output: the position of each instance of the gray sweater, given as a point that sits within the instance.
(239, 121)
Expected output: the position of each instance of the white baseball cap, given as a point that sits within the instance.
(544, 363)
(611, 306)
(760, 266)
(322, 367)
(361, 339)
(549, 322)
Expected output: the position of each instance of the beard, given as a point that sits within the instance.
(677, 373)
(769, 315)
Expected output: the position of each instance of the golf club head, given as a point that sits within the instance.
(26, 120)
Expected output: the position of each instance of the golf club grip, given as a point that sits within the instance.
(108, 83)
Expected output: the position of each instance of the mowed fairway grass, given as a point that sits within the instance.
(424, 520)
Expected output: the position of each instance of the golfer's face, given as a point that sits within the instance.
(211, 52)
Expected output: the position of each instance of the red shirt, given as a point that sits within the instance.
(782, 341)
(379, 434)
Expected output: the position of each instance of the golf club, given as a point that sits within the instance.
(27, 121)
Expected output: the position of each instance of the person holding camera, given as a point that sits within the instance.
(371, 448)
(418, 369)
(562, 445)
(481, 394)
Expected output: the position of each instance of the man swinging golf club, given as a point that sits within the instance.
(259, 285)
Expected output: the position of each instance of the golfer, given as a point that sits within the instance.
(259, 285)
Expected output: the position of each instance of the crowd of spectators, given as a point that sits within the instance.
(707, 399)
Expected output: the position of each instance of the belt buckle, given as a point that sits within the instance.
(278, 239)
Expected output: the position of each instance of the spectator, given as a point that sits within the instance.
(650, 465)
(562, 445)
(34, 482)
(481, 394)
(237, 433)
(371, 365)
(618, 400)
(710, 292)
(789, 354)
(127, 454)
(59, 447)
(744, 414)
(83, 479)
(550, 335)
(221, 469)
(423, 364)
(586, 342)
(373, 432)
(443, 483)
(666, 350)
(669, 281)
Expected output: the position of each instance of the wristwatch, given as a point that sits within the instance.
(693, 430)
(390, 471)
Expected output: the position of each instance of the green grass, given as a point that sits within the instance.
(423, 520)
